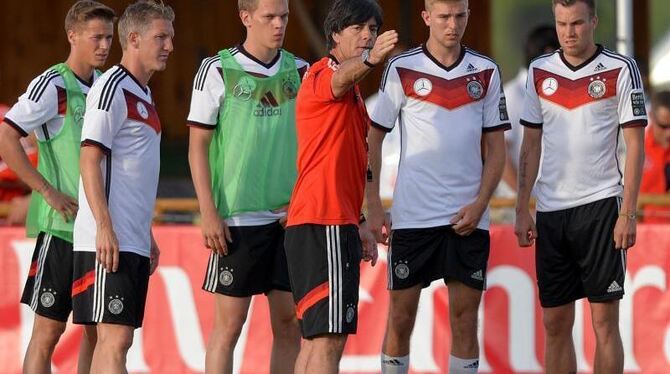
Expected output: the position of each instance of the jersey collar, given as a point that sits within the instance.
(438, 63)
(588, 60)
(240, 47)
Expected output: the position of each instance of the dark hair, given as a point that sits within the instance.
(591, 4)
(539, 40)
(660, 99)
(344, 13)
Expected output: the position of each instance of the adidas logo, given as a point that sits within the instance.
(392, 362)
(470, 68)
(600, 67)
(268, 106)
(478, 275)
(473, 365)
(614, 287)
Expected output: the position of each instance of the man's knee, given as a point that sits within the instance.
(116, 339)
(286, 327)
(605, 321)
(557, 324)
(228, 328)
(47, 332)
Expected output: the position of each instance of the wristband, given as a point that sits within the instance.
(630, 216)
(361, 219)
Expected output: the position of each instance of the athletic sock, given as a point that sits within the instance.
(463, 366)
(395, 365)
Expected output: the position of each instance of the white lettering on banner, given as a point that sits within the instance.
(188, 331)
(23, 250)
(578, 337)
(521, 295)
(136, 362)
(647, 276)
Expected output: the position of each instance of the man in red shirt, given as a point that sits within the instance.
(656, 173)
(323, 241)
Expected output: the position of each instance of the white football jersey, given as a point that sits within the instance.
(209, 91)
(122, 121)
(43, 106)
(442, 112)
(581, 110)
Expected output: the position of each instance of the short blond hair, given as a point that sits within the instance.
(248, 5)
(138, 16)
(85, 10)
(429, 3)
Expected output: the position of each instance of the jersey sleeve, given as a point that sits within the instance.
(103, 122)
(207, 95)
(390, 99)
(322, 77)
(302, 67)
(631, 109)
(531, 116)
(495, 107)
(36, 106)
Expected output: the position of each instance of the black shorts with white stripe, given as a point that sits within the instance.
(49, 283)
(420, 256)
(324, 268)
(575, 255)
(102, 297)
(255, 263)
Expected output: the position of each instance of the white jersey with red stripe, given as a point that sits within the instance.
(122, 121)
(442, 112)
(581, 110)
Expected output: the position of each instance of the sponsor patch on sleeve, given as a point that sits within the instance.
(502, 108)
(637, 102)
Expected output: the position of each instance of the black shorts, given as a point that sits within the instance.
(324, 268)
(102, 297)
(575, 255)
(420, 256)
(255, 264)
(49, 282)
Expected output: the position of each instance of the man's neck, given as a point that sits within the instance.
(262, 54)
(447, 56)
(135, 68)
(576, 60)
(79, 68)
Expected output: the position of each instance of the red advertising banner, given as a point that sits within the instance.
(179, 314)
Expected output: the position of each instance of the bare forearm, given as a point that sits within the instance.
(375, 142)
(94, 189)
(15, 157)
(509, 175)
(633, 172)
(349, 73)
(198, 158)
(494, 163)
(529, 163)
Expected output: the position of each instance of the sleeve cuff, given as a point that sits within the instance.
(16, 127)
(634, 123)
(200, 125)
(93, 143)
(503, 127)
(380, 127)
(530, 124)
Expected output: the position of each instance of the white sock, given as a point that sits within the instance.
(463, 366)
(395, 365)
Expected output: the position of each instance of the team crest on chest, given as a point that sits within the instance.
(549, 86)
(423, 86)
(244, 88)
(597, 88)
(142, 110)
(290, 88)
(475, 89)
